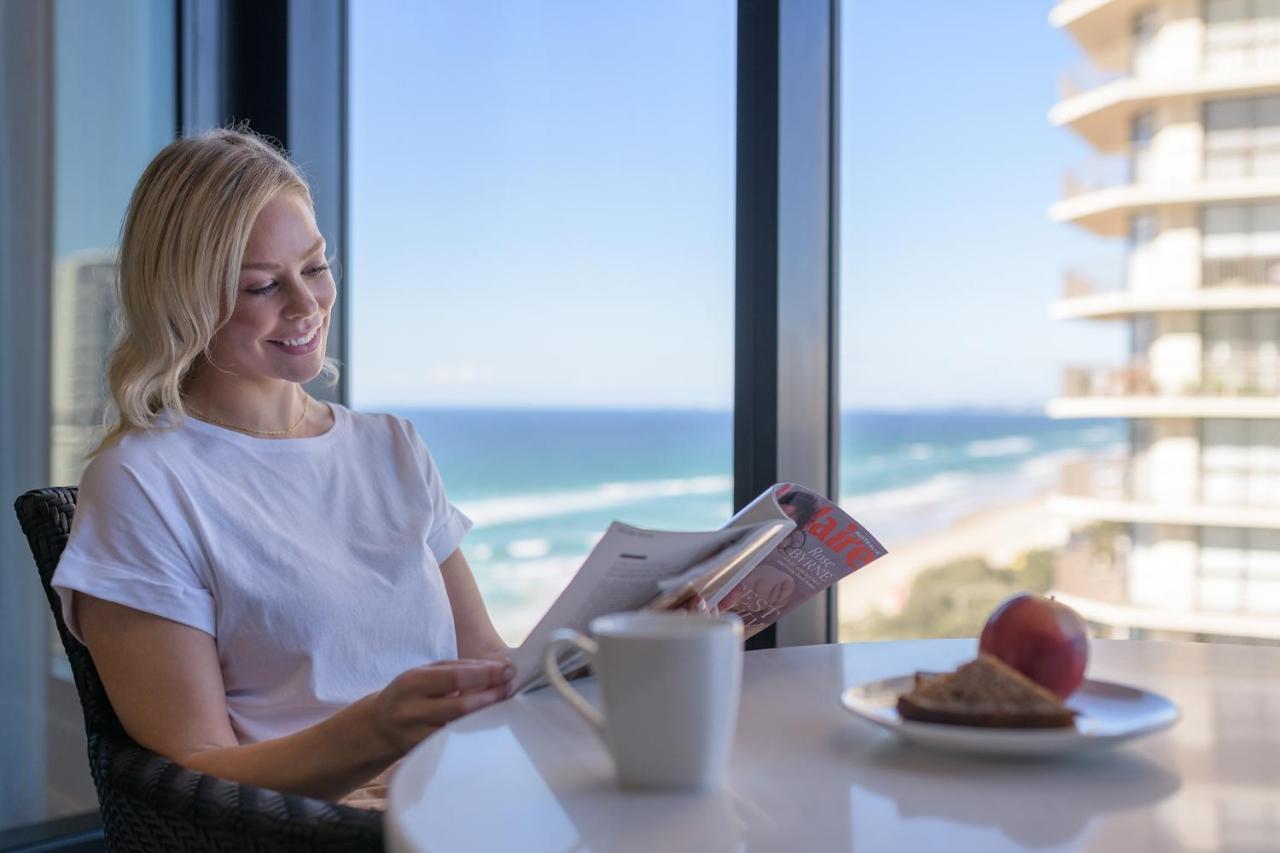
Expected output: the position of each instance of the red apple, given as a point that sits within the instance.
(1043, 639)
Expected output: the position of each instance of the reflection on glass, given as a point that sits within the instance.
(113, 108)
(542, 266)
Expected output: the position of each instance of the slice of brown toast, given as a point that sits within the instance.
(984, 692)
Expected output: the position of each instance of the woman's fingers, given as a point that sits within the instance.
(462, 676)
(691, 601)
(436, 711)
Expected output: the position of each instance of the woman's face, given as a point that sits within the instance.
(278, 326)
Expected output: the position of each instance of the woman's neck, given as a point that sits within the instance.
(267, 407)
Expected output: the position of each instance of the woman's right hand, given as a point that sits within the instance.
(419, 701)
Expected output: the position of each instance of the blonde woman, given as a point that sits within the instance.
(270, 586)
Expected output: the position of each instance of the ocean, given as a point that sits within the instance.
(541, 486)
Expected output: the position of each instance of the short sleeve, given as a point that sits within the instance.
(448, 524)
(127, 546)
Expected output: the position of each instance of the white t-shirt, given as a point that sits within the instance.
(313, 562)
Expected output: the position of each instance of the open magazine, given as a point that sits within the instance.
(784, 547)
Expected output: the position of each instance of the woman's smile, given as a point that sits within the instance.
(301, 345)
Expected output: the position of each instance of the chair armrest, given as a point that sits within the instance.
(156, 804)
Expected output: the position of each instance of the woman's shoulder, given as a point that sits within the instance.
(382, 423)
(139, 446)
(134, 465)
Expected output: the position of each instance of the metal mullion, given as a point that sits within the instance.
(785, 412)
(317, 116)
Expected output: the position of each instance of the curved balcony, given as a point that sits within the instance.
(1128, 491)
(1105, 64)
(1103, 207)
(1229, 388)
(1092, 22)
(1097, 102)
(1099, 291)
(1099, 576)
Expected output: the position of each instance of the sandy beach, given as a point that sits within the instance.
(999, 534)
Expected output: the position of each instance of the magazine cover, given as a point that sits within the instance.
(825, 546)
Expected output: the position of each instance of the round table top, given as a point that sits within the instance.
(528, 774)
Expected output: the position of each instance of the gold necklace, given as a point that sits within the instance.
(306, 401)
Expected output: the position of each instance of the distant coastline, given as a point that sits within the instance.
(541, 485)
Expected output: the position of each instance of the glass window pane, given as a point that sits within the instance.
(113, 108)
(542, 267)
(946, 276)
(948, 356)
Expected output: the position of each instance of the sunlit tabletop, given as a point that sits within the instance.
(529, 775)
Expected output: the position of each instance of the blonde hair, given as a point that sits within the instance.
(181, 247)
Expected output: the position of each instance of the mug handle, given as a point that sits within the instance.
(551, 665)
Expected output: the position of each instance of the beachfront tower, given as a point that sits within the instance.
(83, 305)
(1180, 100)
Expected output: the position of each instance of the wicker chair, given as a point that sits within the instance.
(147, 801)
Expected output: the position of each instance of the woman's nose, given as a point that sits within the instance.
(302, 302)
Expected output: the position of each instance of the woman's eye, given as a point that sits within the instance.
(314, 271)
(266, 288)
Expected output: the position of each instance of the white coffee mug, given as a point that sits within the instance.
(669, 684)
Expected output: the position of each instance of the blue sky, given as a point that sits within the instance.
(542, 205)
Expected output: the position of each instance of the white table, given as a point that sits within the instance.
(528, 774)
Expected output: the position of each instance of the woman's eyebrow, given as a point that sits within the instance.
(267, 265)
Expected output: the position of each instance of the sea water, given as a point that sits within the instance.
(541, 486)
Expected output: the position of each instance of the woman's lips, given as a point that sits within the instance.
(310, 345)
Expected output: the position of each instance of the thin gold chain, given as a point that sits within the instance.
(306, 401)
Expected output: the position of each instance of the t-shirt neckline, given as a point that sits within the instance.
(262, 443)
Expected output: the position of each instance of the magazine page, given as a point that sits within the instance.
(825, 546)
(625, 571)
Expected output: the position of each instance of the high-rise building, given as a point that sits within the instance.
(1180, 100)
(83, 306)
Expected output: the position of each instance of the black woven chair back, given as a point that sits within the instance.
(148, 802)
(46, 520)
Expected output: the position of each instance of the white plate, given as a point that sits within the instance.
(1108, 714)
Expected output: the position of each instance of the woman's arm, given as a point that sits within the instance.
(477, 638)
(165, 684)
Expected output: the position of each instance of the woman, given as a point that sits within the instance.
(270, 586)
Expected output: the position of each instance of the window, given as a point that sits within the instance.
(1240, 463)
(113, 107)
(1146, 23)
(542, 267)
(948, 357)
(1240, 244)
(1242, 137)
(1240, 34)
(1240, 352)
(1142, 130)
(1239, 570)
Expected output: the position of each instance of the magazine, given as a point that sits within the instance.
(780, 550)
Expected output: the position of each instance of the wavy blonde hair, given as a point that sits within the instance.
(181, 247)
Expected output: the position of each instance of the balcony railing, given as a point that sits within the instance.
(1245, 158)
(1240, 48)
(1107, 65)
(1125, 381)
(1239, 376)
(1114, 170)
(1227, 48)
(1097, 573)
(1088, 279)
(1096, 174)
(1106, 479)
(1260, 271)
